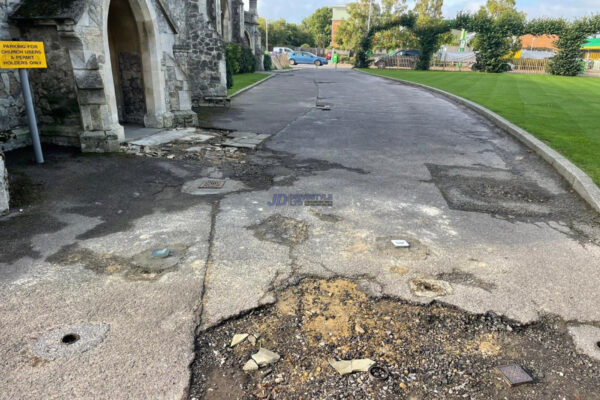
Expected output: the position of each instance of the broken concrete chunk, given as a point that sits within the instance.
(345, 367)
(252, 340)
(362, 365)
(237, 339)
(423, 287)
(265, 357)
(342, 367)
(251, 365)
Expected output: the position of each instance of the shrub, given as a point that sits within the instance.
(247, 61)
(233, 53)
(362, 60)
(268, 63)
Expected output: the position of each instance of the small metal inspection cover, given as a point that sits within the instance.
(212, 184)
(514, 374)
(401, 244)
(70, 341)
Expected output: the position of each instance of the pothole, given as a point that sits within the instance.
(207, 186)
(429, 351)
(282, 230)
(142, 266)
(492, 191)
(424, 287)
(70, 341)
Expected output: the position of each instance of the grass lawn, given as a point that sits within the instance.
(241, 81)
(564, 112)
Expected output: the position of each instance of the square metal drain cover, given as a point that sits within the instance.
(212, 184)
(514, 374)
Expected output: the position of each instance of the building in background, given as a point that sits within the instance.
(340, 14)
(591, 49)
(117, 62)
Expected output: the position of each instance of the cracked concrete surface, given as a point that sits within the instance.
(486, 217)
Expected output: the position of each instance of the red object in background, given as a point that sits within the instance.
(329, 55)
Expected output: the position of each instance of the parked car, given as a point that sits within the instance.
(409, 53)
(304, 57)
(280, 50)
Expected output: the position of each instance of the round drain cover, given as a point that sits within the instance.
(70, 341)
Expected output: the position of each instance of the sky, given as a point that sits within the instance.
(295, 11)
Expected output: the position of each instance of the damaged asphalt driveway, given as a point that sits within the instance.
(292, 241)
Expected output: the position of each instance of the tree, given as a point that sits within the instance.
(497, 7)
(429, 9)
(352, 31)
(319, 26)
(495, 36)
(572, 35)
(430, 31)
(282, 33)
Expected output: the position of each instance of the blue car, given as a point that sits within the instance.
(304, 57)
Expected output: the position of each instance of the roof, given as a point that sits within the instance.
(49, 9)
(538, 42)
(592, 44)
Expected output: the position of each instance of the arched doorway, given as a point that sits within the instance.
(132, 44)
(126, 62)
(249, 42)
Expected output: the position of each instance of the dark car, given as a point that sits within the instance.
(409, 53)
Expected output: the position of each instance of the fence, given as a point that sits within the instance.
(528, 66)
(397, 62)
(466, 63)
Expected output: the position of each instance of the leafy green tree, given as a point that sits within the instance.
(572, 35)
(319, 26)
(430, 35)
(352, 31)
(497, 7)
(495, 36)
(282, 33)
(429, 9)
(430, 32)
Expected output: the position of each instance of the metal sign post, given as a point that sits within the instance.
(24, 55)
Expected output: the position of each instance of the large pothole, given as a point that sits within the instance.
(430, 352)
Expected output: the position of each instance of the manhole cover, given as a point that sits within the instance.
(212, 184)
(70, 341)
(514, 374)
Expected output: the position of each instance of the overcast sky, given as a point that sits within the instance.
(294, 11)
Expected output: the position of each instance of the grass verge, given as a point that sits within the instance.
(241, 81)
(564, 112)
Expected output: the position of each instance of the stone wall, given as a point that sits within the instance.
(75, 98)
(206, 55)
(54, 90)
(13, 119)
(3, 187)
